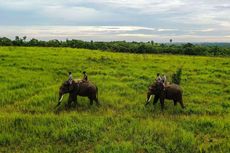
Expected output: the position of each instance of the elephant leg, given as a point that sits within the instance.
(70, 100)
(175, 102)
(75, 100)
(91, 101)
(97, 101)
(155, 99)
(162, 103)
(181, 104)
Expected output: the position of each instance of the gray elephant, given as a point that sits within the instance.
(78, 88)
(171, 91)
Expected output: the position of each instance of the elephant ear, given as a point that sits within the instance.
(159, 86)
(77, 86)
(66, 84)
(71, 87)
(152, 87)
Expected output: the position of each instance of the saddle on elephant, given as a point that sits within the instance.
(80, 82)
(157, 84)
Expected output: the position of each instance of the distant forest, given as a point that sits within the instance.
(207, 49)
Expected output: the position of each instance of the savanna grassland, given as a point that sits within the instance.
(30, 78)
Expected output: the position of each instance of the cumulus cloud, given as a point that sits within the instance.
(166, 30)
(163, 18)
(105, 33)
(74, 32)
(138, 35)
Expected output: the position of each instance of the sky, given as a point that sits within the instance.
(110, 20)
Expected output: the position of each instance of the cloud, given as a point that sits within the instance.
(63, 32)
(167, 30)
(225, 24)
(107, 33)
(157, 17)
(138, 35)
(72, 13)
(206, 30)
(143, 6)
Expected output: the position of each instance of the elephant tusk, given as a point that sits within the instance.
(150, 98)
(61, 98)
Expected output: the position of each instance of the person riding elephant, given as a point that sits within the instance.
(70, 79)
(171, 91)
(84, 89)
(164, 80)
(158, 78)
(85, 77)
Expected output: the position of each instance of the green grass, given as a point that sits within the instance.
(29, 82)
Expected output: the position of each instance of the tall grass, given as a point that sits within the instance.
(29, 82)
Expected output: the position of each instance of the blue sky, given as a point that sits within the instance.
(106, 20)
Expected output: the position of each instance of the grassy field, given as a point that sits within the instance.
(29, 82)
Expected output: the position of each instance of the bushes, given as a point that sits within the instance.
(176, 77)
(5, 42)
(123, 46)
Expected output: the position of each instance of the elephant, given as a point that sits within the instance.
(169, 91)
(81, 88)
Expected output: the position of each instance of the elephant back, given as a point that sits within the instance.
(173, 90)
(85, 87)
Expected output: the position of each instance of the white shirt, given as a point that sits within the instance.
(164, 78)
(70, 77)
(158, 79)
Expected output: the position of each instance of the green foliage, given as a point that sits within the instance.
(128, 47)
(176, 77)
(29, 82)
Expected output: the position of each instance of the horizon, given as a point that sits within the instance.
(108, 20)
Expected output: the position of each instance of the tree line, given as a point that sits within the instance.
(123, 46)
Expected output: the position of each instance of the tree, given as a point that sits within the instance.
(33, 42)
(152, 42)
(18, 41)
(17, 38)
(123, 46)
(176, 77)
(215, 50)
(53, 43)
(5, 42)
(24, 38)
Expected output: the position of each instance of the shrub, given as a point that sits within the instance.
(176, 77)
